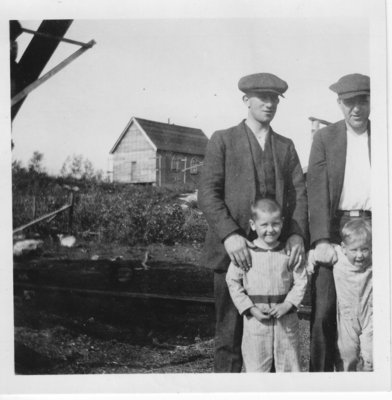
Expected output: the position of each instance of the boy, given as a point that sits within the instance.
(267, 296)
(353, 280)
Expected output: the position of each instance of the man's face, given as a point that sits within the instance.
(262, 106)
(268, 226)
(356, 111)
(358, 251)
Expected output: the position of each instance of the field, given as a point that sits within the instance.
(67, 332)
(91, 308)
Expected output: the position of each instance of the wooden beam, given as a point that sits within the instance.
(305, 310)
(36, 56)
(57, 38)
(132, 295)
(21, 95)
(43, 218)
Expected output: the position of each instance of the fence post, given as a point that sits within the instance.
(34, 207)
(70, 211)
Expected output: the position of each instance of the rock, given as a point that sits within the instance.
(28, 246)
(66, 241)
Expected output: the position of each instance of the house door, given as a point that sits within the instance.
(133, 171)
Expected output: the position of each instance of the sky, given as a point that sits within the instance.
(185, 70)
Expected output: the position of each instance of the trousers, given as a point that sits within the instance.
(355, 343)
(228, 328)
(271, 341)
(323, 321)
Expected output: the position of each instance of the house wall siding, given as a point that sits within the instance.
(169, 177)
(134, 160)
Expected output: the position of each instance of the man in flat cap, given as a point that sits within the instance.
(339, 190)
(242, 163)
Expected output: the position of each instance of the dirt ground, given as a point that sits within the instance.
(82, 335)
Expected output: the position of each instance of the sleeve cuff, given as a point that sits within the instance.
(245, 305)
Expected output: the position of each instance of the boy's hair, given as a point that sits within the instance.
(265, 204)
(355, 229)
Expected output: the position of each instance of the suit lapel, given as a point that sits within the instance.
(338, 164)
(244, 151)
(279, 150)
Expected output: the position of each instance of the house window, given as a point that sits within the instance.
(194, 165)
(175, 163)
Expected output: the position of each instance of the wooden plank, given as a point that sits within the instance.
(304, 310)
(43, 218)
(132, 295)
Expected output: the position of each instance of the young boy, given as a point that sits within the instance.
(268, 295)
(353, 282)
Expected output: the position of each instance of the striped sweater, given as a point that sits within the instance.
(270, 280)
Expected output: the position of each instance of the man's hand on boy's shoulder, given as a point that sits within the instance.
(281, 309)
(237, 247)
(295, 249)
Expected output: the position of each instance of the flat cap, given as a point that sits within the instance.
(351, 85)
(262, 82)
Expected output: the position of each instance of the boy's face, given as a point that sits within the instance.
(358, 251)
(268, 226)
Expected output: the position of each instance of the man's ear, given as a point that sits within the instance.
(245, 99)
(252, 225)
(343, 246)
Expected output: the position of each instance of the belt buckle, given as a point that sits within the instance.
(355, 213)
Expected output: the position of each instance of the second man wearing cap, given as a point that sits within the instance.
(339, 190)
(241, 164)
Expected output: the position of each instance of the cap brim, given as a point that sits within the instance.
(350, 95)
(263, 91)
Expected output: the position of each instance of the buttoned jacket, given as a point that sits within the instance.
(325, 177)
(228, 187)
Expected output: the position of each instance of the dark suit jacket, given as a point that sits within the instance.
(228, 187)
(325, 178)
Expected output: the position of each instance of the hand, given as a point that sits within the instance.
(311, 262)
(281, 309)
(260, 313)
(324, 253)
(237, 249)
(295, 249)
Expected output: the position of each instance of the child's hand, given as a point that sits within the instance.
(260, 314)
(281, 309)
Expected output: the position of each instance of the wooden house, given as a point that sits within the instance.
(150, 152)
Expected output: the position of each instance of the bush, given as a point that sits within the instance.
(117, 212)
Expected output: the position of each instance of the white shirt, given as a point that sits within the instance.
(356, 192)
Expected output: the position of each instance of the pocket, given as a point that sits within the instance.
(254, 327)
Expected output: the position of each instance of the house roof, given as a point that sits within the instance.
(169, 137)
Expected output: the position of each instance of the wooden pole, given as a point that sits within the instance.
(28, 89)
(57, 38)
(34, 206)
(70, 211)
(43, 218)
(160, 170)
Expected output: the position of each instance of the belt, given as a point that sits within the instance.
(267, 299)
(353, 213)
